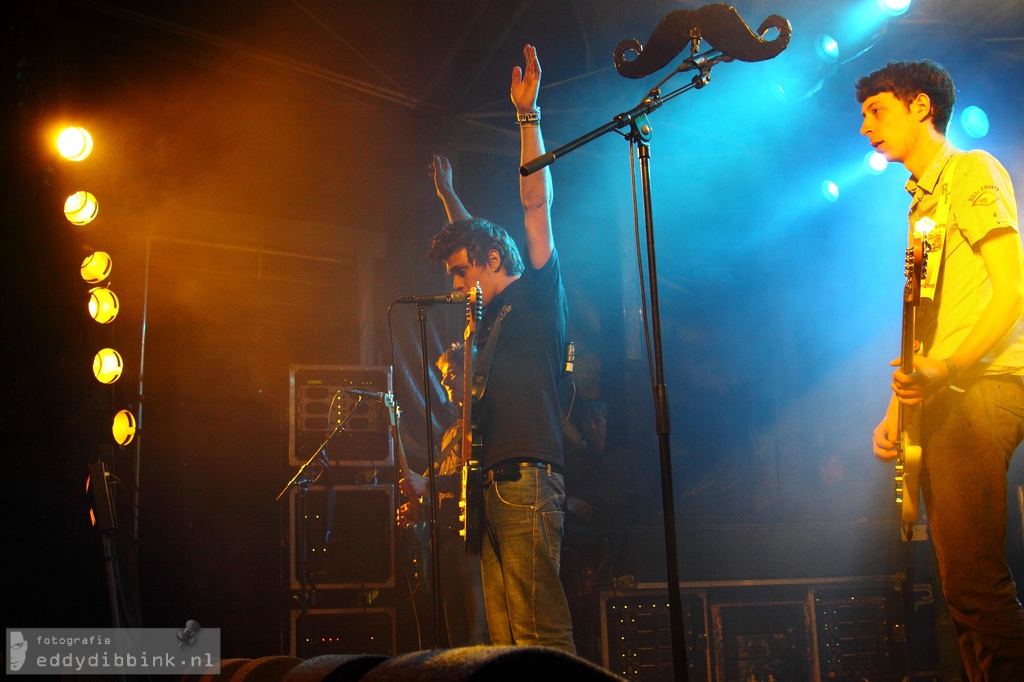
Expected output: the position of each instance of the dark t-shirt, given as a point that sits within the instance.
(520, 416)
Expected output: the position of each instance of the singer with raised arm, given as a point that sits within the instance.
(968, 358)
(520, 346)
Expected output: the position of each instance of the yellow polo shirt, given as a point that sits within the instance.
(981, 200)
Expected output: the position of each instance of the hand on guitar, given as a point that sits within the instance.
(886, 434)
(413, 485)
(408, 513)
(930, 376)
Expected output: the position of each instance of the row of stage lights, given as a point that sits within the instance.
(75, 144)
(973, 122)
(859, 29)
(973, 119)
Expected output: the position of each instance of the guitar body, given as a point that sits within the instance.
(471, 507)
(471, 501)
(908, 469)
(909, 451)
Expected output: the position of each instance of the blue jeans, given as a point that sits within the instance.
(520, 560)
(462, 594)
(968, 441)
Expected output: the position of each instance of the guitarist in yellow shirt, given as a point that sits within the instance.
(966, 372)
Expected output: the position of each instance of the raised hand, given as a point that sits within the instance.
(526, 84)
(441, 172)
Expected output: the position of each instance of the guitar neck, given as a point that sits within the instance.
(467, 398)
(473, 314)
(914, 268)
(394, 412)
(403, 463)
(907, 352)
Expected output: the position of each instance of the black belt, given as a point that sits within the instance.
(509, 471)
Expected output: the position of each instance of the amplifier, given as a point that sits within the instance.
(814, 629)
(345, 631)
(349, 533)
(319, 403)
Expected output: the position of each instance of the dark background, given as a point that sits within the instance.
(261, 169)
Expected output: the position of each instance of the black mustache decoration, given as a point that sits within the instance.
(719, 25)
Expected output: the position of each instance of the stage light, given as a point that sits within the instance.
(96, 267)
(81, 208)
(827, 48)
(74, 144)
(830, 190)
(107, 366)
(875, 163)
(974, 121)
(894, 8)
(103, 305)
(123, 427)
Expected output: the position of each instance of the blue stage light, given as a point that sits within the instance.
(875, 163)
(830, 190)
(894, 8)
(827, 48)
(974, 121)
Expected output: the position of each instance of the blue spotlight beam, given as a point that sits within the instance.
(640, 134)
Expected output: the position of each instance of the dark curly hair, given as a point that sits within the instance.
(478, 237)
(906, 80)
(453, 355)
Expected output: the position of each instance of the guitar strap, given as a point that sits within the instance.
(483, 362)
(936, 235)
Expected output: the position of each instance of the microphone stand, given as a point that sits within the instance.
(640, 132)
(435, 554)
(301, 480)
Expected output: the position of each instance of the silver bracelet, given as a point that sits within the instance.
(528, 117)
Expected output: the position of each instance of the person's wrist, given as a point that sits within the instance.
(951, 370)
(528, 117)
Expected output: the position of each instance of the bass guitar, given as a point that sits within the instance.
(471, 501)
(909, 453)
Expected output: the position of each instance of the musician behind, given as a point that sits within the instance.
(462, 592)
(518, 420)
(967, 371)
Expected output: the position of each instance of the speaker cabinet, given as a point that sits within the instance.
(637, 635)
(815, 629)
(349, 534)
(319, 404)
(346, 631)
(755, 640)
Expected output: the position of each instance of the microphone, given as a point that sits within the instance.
(450, 297)
(376, 395)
